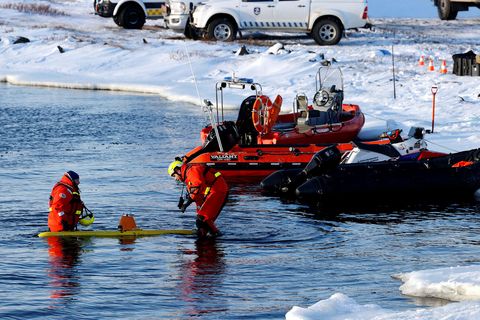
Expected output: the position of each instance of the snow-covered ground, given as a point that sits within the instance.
(410, 9)
(99, 55)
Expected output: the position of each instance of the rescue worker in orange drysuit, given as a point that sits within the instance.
(65, 203)
(206, 188)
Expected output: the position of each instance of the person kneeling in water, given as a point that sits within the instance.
(207, 188)
(65, 206)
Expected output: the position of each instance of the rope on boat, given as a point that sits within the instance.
(439, 145)
(194, 78)
(428, 141)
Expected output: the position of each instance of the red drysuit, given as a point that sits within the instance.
(208, 190)
(65, 206)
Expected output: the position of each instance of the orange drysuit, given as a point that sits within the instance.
(209, 190)
(65, 206)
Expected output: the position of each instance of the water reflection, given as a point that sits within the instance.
(125, 243)
(385, 214)
(428, 302)
(64, 254)
(202, 278)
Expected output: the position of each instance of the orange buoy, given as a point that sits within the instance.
(127, 223)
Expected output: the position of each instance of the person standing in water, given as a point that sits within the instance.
(207, 188)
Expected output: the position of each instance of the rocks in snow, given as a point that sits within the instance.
(380, 53)
(242, 51)
(277, 48)
(21, 40)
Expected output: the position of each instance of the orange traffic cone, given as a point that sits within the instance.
(443, 68)
(430, 65)
(421, 62)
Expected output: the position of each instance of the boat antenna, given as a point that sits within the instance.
(193, 74)
(208, 109)
(393, 67)
(205, 104)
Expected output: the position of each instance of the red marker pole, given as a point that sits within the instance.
(434, 92)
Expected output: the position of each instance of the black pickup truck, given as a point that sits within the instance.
(448, 9)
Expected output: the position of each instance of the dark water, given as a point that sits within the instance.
(272, 256)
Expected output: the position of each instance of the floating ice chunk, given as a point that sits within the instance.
(453, 283)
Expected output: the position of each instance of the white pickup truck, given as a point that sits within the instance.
(324, 20)
(448, 9)
(177, 17)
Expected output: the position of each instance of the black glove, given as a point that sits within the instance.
(183, 205)
(67, 227)
(181, 201)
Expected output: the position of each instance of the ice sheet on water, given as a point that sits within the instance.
(342, 307)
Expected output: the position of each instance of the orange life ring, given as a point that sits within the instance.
(275, 111)
(265, 113)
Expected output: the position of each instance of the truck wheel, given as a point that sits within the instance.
(117, 19)
(221, 29)
(446, 10)
(189, 32)
(131, 17)
(327, 32)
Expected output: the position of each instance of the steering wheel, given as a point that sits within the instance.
(321, 98)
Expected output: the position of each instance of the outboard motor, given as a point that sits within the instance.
(246, 130)
(313, 191)
(416, 132)
(476, 195)
(228, 134)
(323, 161)
(285, 182)
(275, 183)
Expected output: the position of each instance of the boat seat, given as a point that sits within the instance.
(302, 108)
(302, 102)
(386, 149)
(283, 126)
(316, 118)
(345, 116)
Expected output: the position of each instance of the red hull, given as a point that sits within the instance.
(252, 164)
(346, 130)
(351, 122)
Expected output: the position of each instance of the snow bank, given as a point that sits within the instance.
(454, 283)
(341, 307)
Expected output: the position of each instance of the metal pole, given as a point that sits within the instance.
(393, 70)
(434, 92)
(208, 106)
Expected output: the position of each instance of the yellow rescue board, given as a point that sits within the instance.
(114, 233)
